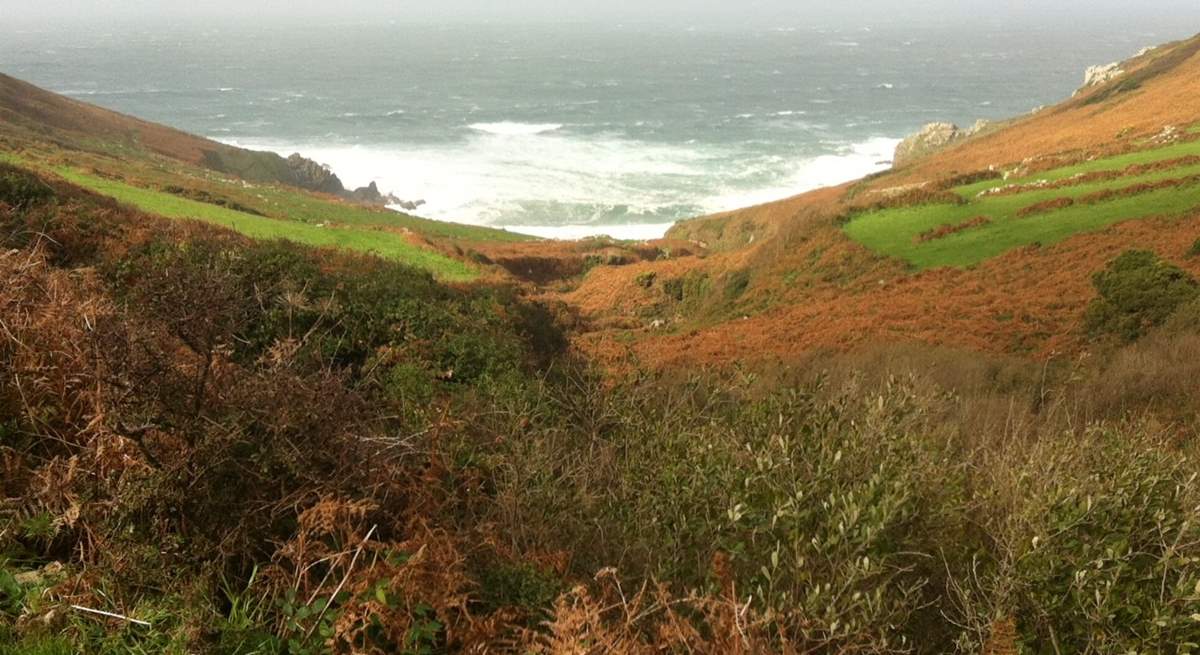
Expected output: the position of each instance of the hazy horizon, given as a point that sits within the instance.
(877, 13)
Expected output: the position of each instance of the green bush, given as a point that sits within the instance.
(20, 189)
(818, 511)
(1094, 546)
(1185, 319)
(691, 288)
(519, 585)
(1106, 534)
(1137, 291)
(736, 284)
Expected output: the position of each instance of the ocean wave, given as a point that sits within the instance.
(625, 231)
(507, 128)
(574, 185)
(848, 163)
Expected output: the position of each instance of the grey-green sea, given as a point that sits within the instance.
(570, 129)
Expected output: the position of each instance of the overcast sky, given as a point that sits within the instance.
(877, 12)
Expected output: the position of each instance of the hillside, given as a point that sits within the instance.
(68, 122)
(990, 244)
(952, 408)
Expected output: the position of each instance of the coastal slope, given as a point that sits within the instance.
(988, 244)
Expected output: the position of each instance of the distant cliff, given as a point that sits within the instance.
(296, 170)
(38, 111)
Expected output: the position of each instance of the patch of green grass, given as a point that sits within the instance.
(894, 232)
(309, 209)
(1116, 163)
(120, 162)
(379, 243)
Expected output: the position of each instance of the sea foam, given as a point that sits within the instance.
(506, 128)
(561, 185)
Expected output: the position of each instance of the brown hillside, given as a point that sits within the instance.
(811, 288)
(46, 113)
(1158, 89)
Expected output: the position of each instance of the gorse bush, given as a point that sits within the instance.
(1138, 291)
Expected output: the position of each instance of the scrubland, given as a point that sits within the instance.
(257, 447)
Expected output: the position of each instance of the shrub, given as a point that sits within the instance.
(690, 288)
(21, 189)
(1137, 291)
(815, 509)
(736, 284)
(1095, 544)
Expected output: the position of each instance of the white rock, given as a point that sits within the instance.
(1097, 75)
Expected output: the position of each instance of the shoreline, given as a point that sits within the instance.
(360, 165)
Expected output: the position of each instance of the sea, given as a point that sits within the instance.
(571, 129)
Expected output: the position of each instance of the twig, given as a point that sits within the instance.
(110, 615)
(341, 584)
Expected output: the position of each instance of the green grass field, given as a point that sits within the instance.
(383, 244)
(895, 232)
(284, 203)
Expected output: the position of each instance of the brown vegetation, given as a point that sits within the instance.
(1105, 195)
(1045, 207)
(943, 231)
(1133, 170)
(912, 198)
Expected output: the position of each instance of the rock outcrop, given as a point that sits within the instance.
(308, 174)
(1097, 75)
(932, 138)
(370, 195)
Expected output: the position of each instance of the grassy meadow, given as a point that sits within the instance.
(897, 232)
(389, 245)
(262, 211)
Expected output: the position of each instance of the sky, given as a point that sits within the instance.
(825, 12)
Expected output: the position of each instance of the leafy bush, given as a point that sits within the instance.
(736, 284)
(815, 509)
(20, 189)
(1138, 291)
(691, 288)
(1097, 549)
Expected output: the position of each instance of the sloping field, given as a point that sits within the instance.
(388, 245)
(999, 215)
